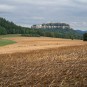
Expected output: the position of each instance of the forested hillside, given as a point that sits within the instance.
(7, 27)
(85, 36)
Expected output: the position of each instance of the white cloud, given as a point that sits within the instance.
(82, 1)
(6, 8)
(28, 12)
(43, 2)
(37, 18)
(25, 25)
(79, 25)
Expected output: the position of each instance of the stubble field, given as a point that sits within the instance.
(43, 62)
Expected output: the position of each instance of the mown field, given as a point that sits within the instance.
(44, 62)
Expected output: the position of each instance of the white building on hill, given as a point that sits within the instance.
(50, 26)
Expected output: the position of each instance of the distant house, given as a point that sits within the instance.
(51, 26)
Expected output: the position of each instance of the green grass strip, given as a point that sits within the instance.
(4, 42)
(10, 35)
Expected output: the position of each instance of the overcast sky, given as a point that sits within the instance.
(29, 12)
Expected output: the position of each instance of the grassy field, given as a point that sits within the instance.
(4, 42)
(44, 62)
(10, 35)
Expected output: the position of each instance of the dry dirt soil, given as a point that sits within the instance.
(34, 43)
(43, 62)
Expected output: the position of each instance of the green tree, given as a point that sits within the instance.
(2, 31)
(85, 37)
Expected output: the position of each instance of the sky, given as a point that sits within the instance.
(29, 12)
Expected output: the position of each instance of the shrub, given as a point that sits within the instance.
(30, 35)
(85, 37)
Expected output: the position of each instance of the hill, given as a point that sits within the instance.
(81, 32)
(7, 27)
(68, 33)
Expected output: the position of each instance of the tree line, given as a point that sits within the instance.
(7, 27)
(85, 37)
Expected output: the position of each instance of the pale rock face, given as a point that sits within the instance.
(51, 26)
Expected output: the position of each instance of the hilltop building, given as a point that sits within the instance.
(51, 26)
